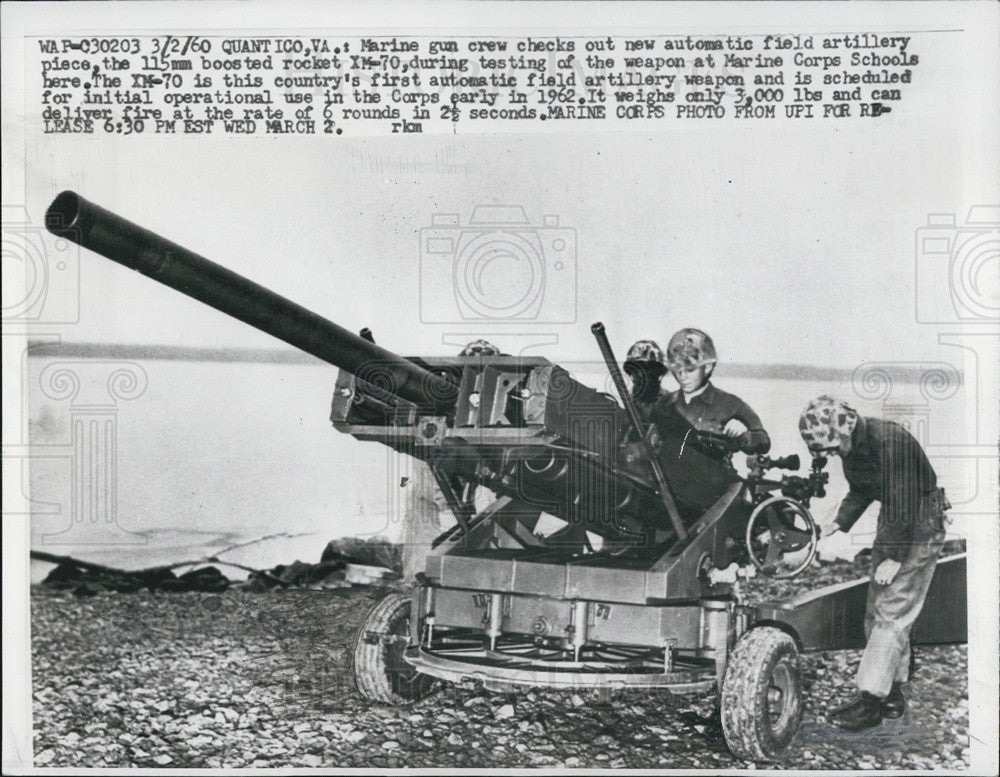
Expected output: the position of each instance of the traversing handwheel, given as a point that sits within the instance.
(777, 526)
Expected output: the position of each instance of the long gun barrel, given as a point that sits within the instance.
(72, 217)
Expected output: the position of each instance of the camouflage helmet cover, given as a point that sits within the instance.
(826, 422)
(690, 348)
(480, 348)
(645, 351)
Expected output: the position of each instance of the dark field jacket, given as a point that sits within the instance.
(887, 465)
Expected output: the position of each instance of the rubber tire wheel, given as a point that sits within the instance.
(380, 673)
(762, 655)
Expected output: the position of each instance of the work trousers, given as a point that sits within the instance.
(891, 611)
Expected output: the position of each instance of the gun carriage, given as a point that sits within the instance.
(633, 591)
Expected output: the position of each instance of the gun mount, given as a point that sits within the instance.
(500, 602)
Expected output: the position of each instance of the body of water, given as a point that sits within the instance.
(140, 461)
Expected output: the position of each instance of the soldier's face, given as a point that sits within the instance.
(645, 377)
(689, 378)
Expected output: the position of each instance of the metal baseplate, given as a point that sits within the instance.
(511, 640)
(520, 663)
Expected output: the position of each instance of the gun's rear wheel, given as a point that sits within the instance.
(761, 694)
(380, 672)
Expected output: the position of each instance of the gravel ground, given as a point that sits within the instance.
(258, 679)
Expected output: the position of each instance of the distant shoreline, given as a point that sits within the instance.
(902, 372)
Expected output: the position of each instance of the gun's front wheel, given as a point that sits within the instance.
(380, 672)
(761, 694)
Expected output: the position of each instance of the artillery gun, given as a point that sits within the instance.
(632, 592)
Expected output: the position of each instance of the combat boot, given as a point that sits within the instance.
(894, 705)
(863, 713)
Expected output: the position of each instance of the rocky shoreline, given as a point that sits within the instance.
(246, 679)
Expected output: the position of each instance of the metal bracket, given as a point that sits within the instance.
(669, 646)
(431, 429)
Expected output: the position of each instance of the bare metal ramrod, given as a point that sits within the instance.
(91, 226)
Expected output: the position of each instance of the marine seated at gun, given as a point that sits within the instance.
(699, 470)
(644, 364)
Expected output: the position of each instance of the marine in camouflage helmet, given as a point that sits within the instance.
(645, 351)
(882, 463)
(644, 365)
(827, 424)
(691, 358)
(480, 348)
(690, 348)
(700, 405)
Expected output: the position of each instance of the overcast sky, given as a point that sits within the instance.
(792, 246)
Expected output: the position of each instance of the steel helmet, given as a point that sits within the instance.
(690, 348)
(480, 348)
(826, 422)
(645, 351)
